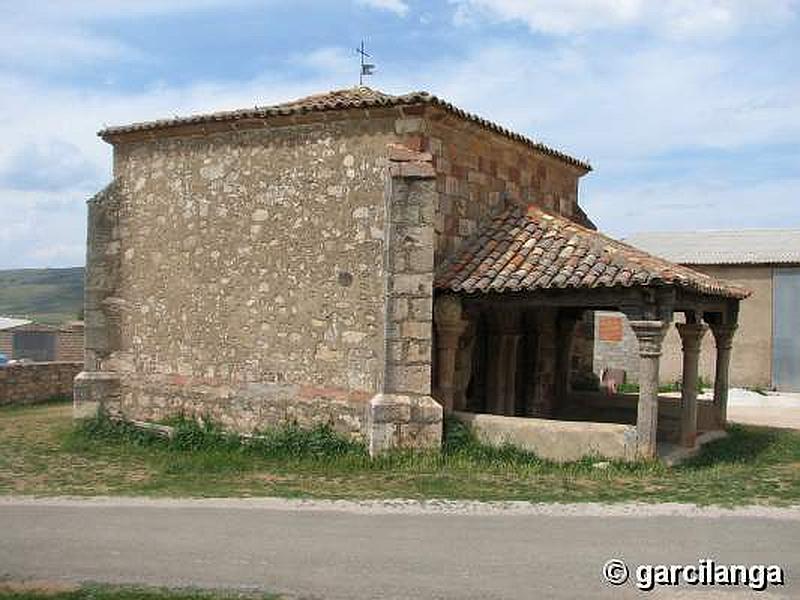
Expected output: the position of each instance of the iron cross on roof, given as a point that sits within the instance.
(366, 68)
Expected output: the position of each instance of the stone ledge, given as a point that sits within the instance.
(560, 441)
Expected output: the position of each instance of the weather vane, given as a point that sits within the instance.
(366, 68)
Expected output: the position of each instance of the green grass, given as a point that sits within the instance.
(675, 386)
(57, 591)
(44, 454)
(50, 296)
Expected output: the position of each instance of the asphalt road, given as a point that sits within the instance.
(385, 550)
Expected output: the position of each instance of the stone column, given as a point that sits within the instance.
(503, 345)
(723, 338)
(566, 333)
(691, 337)
(650, 334)
(463, 375)
(449, 327)
(546, 359)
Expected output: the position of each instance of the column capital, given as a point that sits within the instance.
(691, 335)
(650, 335)
(447, 310)
(723, 334)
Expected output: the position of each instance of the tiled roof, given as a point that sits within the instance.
(525, 250)
(358, 97)
(744, 246)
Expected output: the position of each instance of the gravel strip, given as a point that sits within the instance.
(419, 507)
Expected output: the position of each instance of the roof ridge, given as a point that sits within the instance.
(347, 98)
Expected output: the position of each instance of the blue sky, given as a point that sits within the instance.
(689, 110)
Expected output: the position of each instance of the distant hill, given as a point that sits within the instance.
(49, 296)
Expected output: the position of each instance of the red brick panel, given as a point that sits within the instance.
(610, 329)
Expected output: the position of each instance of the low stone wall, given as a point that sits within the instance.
(560, 441)
(669, 410)
(37, 382)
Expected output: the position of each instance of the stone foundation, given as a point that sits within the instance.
(403, 422)
(243, 408)
(93, 389)
(384, 422)
(37, 382)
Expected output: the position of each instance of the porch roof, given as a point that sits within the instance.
(529, 249)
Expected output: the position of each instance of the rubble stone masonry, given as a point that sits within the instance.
(243, 275)
(31, 383)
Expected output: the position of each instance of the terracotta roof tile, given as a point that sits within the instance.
(358, 97)
(531, 249)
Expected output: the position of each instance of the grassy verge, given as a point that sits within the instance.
(57, 591)
(42, 453)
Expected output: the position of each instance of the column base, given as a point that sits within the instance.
(398, 421)
(91, 389)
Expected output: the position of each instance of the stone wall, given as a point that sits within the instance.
(240, 274)
(37, 382)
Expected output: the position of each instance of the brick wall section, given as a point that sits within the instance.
(609, 329)
(37, 382)
(69, 344)
(479, 172)
(6, 344)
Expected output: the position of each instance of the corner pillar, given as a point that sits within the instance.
(650, 335)
(691, 338)
(98, 385)
(723, 338)
(403, 414)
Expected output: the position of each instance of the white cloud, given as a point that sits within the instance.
(693, 205)
(399, 7)
(331, 60)
(672, 17)
(53, 34)
(95, 10)
(615, 105)
(617, 102)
